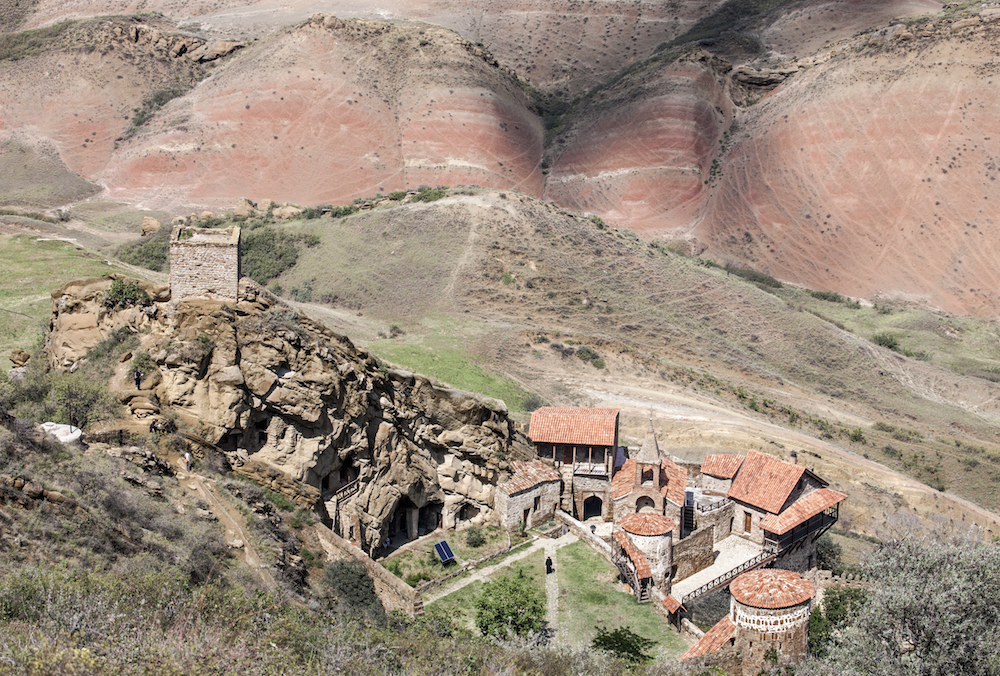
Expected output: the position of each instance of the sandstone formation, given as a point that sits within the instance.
(298, 407)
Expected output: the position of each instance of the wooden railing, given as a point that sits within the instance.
(712, 506)
(757, 561)
(347, 490)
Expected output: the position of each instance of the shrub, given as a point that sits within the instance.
(152, 252)
(886, 339)
(352, 591)
(759, 278)
(430, 195)
(266, 253)
(397, 195)
(532, 402)
(857, 435)
(509, 605)
(124, 294)
(830, 296)
(475, 537)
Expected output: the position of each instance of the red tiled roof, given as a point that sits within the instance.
(642, 569)
(647, 525)
(771, 588)
(714, 639)
(721, 465)
(528, 475)
(765, 482)
(577, 426)
(800, 511)
(676, 481)
(672, 604)
(673, 481)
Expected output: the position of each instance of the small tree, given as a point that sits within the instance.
(624, 643)
(509, 605)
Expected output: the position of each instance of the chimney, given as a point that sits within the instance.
(795, 457)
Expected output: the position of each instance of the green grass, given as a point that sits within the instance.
(445, 360)
(588, 597)
(30, 271)
(461, 604)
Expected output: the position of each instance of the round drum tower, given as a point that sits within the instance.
(651, 534)
(770, 609)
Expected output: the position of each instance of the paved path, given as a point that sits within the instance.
(733, 551)
(483, 574)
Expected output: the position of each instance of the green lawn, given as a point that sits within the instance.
(460, 605)
(588, 597)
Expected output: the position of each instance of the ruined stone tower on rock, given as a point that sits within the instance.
(204, 262)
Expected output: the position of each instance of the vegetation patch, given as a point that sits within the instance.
(151, 252)
(590, 598)
(14, 46)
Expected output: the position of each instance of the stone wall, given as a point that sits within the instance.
(758, 629)
(393, 592)
(581, 530)
(657, 549)
(585, 487)
(756, 533)
(511, 508)
(204, 262)
(800, 557)
(694, 553)
(721, 519)
(711, 484)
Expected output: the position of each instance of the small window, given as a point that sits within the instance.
(538, 502)
(747, 522)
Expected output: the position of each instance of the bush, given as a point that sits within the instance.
(152, 252)
(532, 402)
(352, 591)
(397, 195)
(857, 435)
(475, 537)
(430, 195)
(756, 277)
(886, 339)
(509, 605)
(266, 253)
(124, 294)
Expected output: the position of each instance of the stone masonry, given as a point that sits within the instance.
(204, 262)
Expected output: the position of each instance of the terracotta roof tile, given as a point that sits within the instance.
(578, 426)
(672, 604)
(642, 569)
(715, 638)
(800, 511)
(676, 481)
(528, 475)
(721, 465)
(673, 481)
(765, 482)
(771, 588)
(647, 525)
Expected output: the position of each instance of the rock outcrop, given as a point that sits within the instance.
(279, 393)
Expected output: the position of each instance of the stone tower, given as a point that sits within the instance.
(770, 609)
(646, 488)
(652, 534)
(204, 262)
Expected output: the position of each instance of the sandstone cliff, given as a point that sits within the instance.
(294, 405)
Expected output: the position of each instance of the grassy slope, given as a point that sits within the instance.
(469, 276)
(31, 270)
